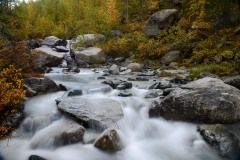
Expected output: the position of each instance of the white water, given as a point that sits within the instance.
(144, 138)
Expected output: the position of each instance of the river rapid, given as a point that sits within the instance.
(143, 138)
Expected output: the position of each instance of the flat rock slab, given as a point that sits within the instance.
(94, 112)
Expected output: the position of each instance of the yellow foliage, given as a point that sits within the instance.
(112, 16)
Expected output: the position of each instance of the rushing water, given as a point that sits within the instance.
(144, 138)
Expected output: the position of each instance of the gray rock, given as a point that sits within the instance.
(233, 81)
(38, 86)
(109, 141)
(62, 87)
(170, 57)
(46, 57)
(72, 133)
(71, 70)
(160, 21)
(167, 91)
(61, 49)
(53, 41)
(224, 142)
(124, 94)
(114, 69)
(92, 55)
(138, 79)
(154, 110)
(152, 94)
(207, 100)
(135, 67)
(35, 157)
(159, 85)
(124, 85)
(94, 112)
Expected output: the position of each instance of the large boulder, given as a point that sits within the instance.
(224, 142)
(35, 157)
(109, 141)
(95, 112)
(206, 100)
(53, 41)
(89, 40)
(91, 55)
(37, 86)
(160, 21)
(170, 57)
(46, 57)
(233, 81)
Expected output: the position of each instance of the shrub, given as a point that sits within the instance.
(11, 95)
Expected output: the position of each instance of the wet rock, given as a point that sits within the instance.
(71, 70)
(67, 133)
(71, 93)
(38, 86)
(35, 157)
(152, 94)
(206, 100)
(135, 67)
(101, 78)
(114, 69)
(62, 87)
(54, 41)
(72, 133)
(159, 85)
(91, 55)
(160, 21)
(124, 94)
(170, 57)
(70, 62)
(155, 109)
(95, 112)
(13, 120)
(167, 91)
(109, 141)
(124, 85)
(225, 143)
(111, 84)
(233, 81)
(46, 57)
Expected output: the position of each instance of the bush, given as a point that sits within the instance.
(12, 95)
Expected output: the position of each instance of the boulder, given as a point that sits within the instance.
(160, 21)
(95, 112)
(124, 94)
(66, 133)
(167, 91)
(38, 86)
(35, 157)
(109, 141)
(89, 40)
(206, 100)
(53, 41)
(233, 81)
(91, 55)
(154, 110)
(124, 85)
(170, 57)
(135, 67)
(159, 85)
(114, 69)
(62, 87)
(72, 133)
(218, 137)
(46, 57)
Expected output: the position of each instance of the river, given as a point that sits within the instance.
(144, 138)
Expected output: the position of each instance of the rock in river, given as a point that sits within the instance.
(109, 141)
(94, 112)
(207, 100)
(224, 142)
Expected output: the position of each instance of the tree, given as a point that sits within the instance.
(112, 17)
